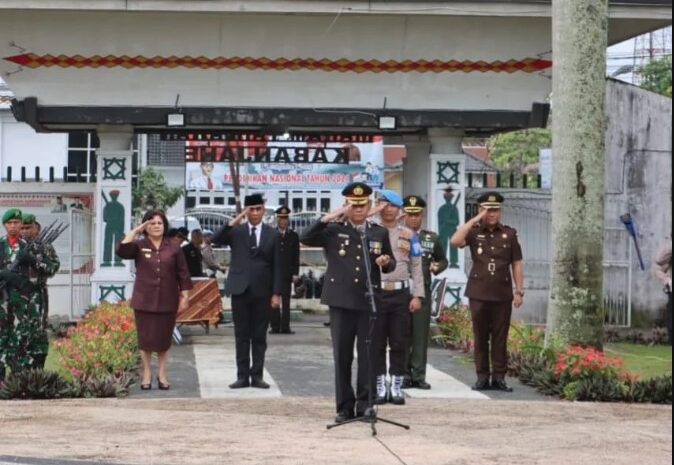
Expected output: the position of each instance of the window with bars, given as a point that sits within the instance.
(82, 148)
(164, 152)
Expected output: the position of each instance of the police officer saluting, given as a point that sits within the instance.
(495, 250)
(434, 262)
(402, 294)
(341, 233)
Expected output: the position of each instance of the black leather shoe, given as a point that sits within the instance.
(343, 416)
(500, 385)
(163, 386)
(482, 385)
(259, 384)
(287, 331)
(407, 383)
(240, 384)
(423, 385)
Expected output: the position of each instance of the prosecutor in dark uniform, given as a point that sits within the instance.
(254, 282)
(495, 250)
(340, 234)
(434, 262)
(290, 265)
(193, 254)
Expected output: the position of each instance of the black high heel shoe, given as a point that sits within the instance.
(146, 387)
(163, 386)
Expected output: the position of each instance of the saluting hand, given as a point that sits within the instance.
(378, 209)
(238, 218)
(141, 227)
(480, 215)
(336, 215)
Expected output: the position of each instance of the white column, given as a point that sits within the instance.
(112, 280)
(416, 168)
(448, 169)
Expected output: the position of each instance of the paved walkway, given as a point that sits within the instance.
(300, 365)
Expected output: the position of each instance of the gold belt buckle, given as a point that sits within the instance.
(491, 267)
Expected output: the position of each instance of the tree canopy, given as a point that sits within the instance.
(152, 192)
(657, 76)
(513, 152)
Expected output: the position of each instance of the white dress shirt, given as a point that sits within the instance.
(258, 232)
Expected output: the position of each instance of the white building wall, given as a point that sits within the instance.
(21, 146)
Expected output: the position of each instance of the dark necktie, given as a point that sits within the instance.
(253, 238)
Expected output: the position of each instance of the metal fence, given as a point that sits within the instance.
(530, 212)
(81, 263)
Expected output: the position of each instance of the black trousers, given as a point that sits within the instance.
(393, 331)
(491, 325)
(346, 327)
(251, 321)
(280, 318)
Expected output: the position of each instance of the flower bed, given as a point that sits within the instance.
(97, 358)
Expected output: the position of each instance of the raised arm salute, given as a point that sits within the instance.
(495, 249)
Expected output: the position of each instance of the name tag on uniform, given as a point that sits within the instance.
(147, 252)
(427, 246)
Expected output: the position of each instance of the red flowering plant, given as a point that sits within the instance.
(103, 343)
(456, 328)
(588, 374)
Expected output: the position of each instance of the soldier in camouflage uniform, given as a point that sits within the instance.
(434, 262)
(30, 230)
(23, 341)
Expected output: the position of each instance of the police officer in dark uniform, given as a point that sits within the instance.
(290, 264)
(341, 234)
(495, 249)
(434, 262)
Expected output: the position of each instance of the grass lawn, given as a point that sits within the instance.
(645, 361)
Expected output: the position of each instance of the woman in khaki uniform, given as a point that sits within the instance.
(161, 287)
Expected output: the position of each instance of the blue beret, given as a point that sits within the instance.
(391, 197)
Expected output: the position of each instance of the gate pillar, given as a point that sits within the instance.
(112, 279)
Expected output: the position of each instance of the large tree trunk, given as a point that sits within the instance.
(575, 309)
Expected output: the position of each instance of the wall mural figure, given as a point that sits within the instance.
(448, 222)
(113, 217)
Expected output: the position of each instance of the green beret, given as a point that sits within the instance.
(28, 218)
(12, 214)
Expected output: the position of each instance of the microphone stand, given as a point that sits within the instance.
(370, 416)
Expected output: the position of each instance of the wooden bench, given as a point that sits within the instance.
(205, 305)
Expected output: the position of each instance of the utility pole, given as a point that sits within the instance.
(575, 306)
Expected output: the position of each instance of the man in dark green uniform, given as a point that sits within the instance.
(434, 262)
(495, 249)
(37, 291)
(23, 342)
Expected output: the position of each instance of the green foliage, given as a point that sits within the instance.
(456, 328)
(104, 342)
(512, 152)
(657, 76)
(106, 386)
(152, 192)
(596, 389)
(655, 390)
(35, 384)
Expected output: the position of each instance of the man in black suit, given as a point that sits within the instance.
(290, 250)
(344, 235)
(254, 282)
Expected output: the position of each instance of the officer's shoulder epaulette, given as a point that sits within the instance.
(377, 227)
(509, 228)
